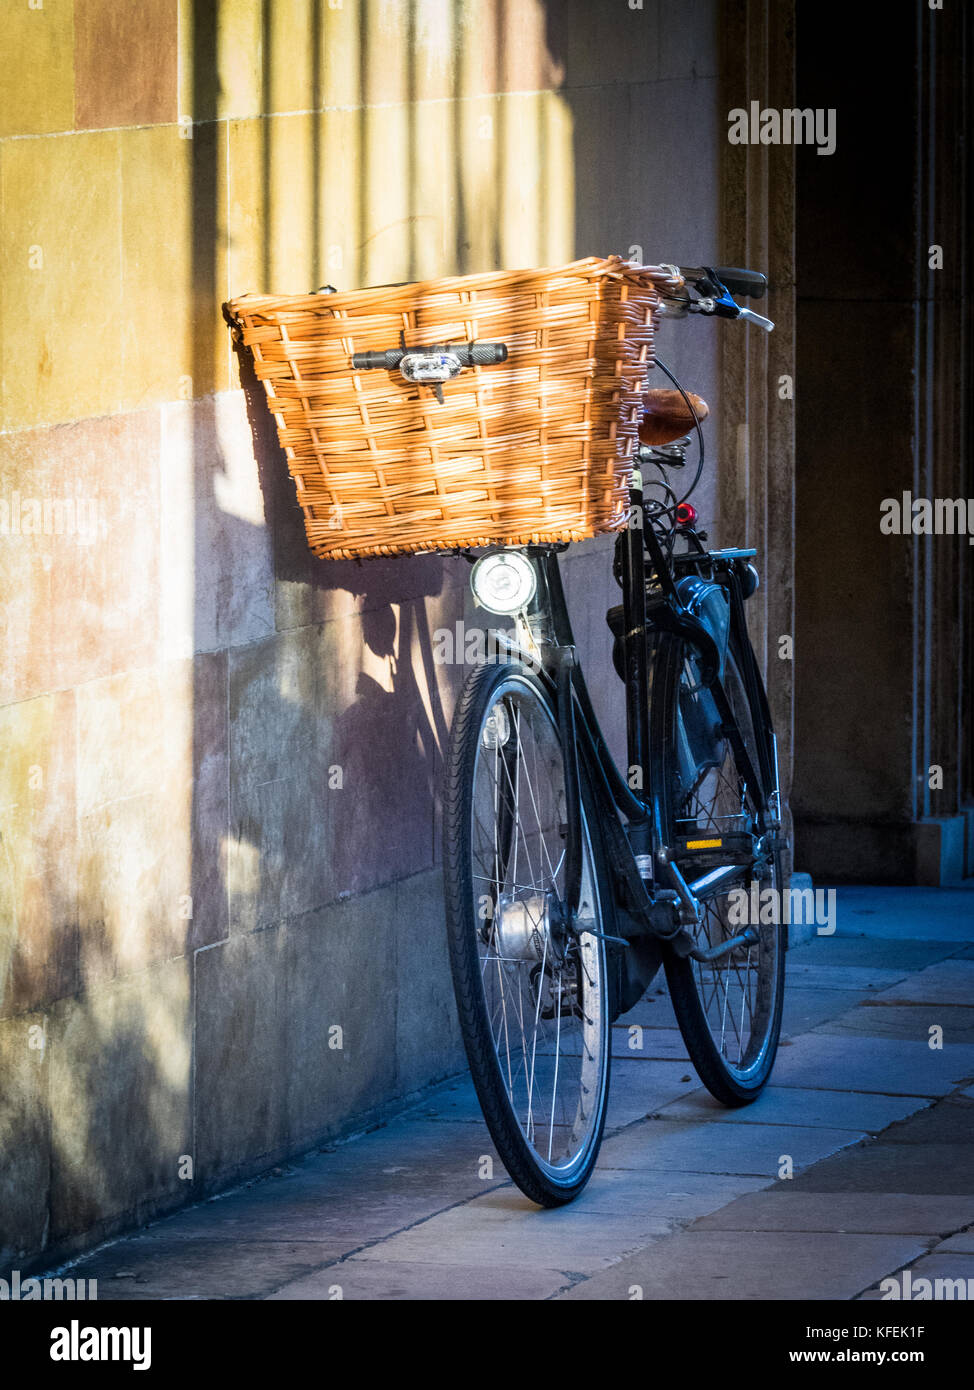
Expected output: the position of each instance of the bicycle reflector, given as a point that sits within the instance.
(503, 582)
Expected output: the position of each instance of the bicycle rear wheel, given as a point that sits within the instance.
(729, 1010)
(531, 991)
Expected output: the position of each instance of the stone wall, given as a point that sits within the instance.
(883, 760)
(189, 905)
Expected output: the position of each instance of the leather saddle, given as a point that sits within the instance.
(666, 418)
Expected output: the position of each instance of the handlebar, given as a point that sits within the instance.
(750, 284)
(467, 354)
(714, 287)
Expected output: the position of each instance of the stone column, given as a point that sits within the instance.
(757, 434)
(882, 769)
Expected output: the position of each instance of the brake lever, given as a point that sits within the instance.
(752, 317)
(726, 308)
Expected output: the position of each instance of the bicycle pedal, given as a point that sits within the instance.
(704, 848)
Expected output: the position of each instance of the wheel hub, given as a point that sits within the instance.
(528, 928)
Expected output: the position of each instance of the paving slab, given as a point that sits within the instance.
(724, 1148)
(960, 1244)
(635, 1043)
(858, 979)
(700, 1265)
(360, 1191)
(410, 1280)
(159, 1267)
(638, 1089)
(890, 1066)
(805, 1007)
(638, 1086)
(339, 1219)
(676, 1196)
(503, 1228)
(654, 1010)
(957, 1272)
(886, 1017)
(901, 955)
(941, 914)
(784, 1105)
(930, 1169)
(949, 1121)
(781, 1208)
(946, 982)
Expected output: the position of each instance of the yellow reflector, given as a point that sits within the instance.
(704, 844)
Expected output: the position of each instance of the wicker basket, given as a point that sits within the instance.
(535, 449)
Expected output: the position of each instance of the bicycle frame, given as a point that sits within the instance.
(659, 902)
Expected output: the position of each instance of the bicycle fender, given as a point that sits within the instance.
(662, 616)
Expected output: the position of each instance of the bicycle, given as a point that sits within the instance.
(568, 882)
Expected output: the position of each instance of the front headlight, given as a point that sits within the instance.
(504, 582)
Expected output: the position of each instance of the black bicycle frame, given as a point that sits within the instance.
(640, 842)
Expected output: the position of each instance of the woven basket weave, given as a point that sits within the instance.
(536, 449)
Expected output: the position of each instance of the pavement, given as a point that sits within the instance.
(855, 1166)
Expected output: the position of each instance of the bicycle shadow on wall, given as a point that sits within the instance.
(378, 619)
(339, 707)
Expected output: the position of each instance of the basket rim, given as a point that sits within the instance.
(256, 304)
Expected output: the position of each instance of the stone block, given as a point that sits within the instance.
(124, 63)
(25, 1139)
(121, 1114)
(428, 1042)
(342, 1007)
(217, 585)
(61, 268)
(241, 1079)
(38, 837)
(281, 817)
(173, 341)
(77, 502)
(37, 82)
(152, 807)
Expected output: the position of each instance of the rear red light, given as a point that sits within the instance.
(686, 514)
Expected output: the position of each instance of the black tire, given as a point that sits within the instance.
(732, 1060)
(503, 714)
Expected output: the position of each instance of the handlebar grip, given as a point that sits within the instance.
(365, 361)
(486, 354)
(749, 283)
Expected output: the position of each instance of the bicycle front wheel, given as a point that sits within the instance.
(531, 990)
(729, 1009)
